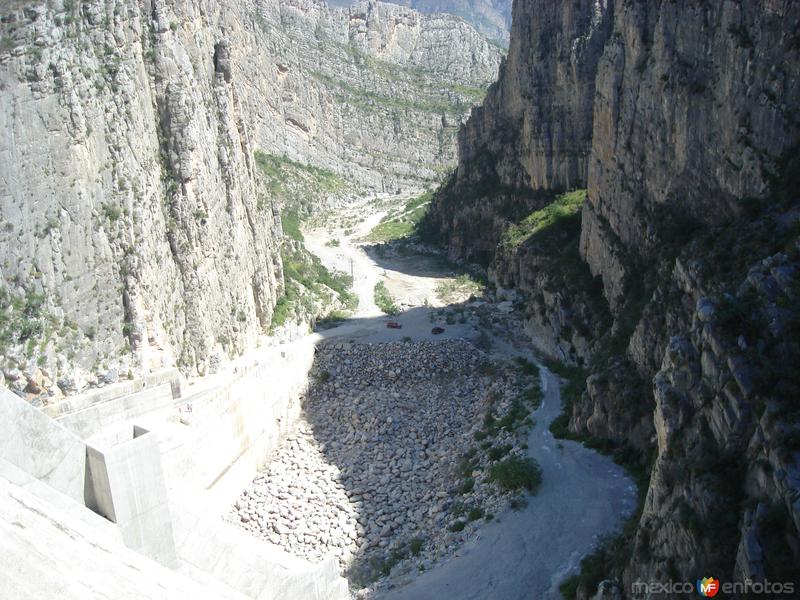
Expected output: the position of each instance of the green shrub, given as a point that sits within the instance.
(475, 513)
(112, 212)
(458, 526)
(467, 486)
(514, 473)
(290, 222)
(401, 223)
(415, 546)
(384, 300)
(564, 206)
(499, 452)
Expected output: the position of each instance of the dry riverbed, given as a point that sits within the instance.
(391, 468)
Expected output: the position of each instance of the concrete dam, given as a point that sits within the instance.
(123, 488)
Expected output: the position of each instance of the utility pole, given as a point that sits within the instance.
(352, 277)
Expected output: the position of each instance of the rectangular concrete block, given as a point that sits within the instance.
(126, 485)
(36, 444)
(97, 417)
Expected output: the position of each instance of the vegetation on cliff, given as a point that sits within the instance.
(402, 222)
(556, 213)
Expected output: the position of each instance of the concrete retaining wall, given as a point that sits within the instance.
(95, 418)
(78, 402)
(126, 485)
(37, 445)
(228, 433)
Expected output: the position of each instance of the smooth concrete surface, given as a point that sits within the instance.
(255, 568)
(171, 376)
(49, 551)
(34, 443)
(48, 494)
(96, 418)
(223, 433)
(127, 486)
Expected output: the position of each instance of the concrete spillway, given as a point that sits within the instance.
(132, 487)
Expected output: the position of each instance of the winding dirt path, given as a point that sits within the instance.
(523, 554)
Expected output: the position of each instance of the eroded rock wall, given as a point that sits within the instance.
(135, 230)
(675, 289)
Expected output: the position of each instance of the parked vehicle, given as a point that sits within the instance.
(393, 325)
(437, 330)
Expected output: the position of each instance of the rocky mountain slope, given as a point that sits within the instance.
(674, 284)
(136, 229)
(491, 17)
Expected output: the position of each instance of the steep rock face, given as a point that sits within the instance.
(490, 17)
(687, 146)
(135, 230)
(539, 113)
(130, 199)
(693, 110)
(375, 91)
(533, 131)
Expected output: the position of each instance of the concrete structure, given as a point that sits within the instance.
(36, 444)
(157, 471)
(53, 548)
(125, 484)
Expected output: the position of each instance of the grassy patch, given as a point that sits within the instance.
(415, 545)
(475, 513)
(498, 452)
(297, 186)
(332, 319)
(402, 222)
(306, 282)
(290, 222)
(384, 300)
(458, 526)
(564, 206)
(467, 486)
(463, 286)
(516, 473)
(571, 391)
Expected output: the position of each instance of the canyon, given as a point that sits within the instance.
(415, 300)
(125, 123)
(670, 280)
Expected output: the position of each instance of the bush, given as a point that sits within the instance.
(467, 486)
(458, 526)
(499, 452)
(563, 207)
(402, 223)
(290, 222)
(475, 513)
(416, 546)
(515, 473)
(384, 300)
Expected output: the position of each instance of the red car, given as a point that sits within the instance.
(393, 325)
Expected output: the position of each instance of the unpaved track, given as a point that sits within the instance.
(522, 555)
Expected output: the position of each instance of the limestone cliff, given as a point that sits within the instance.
(491, 17)
(675, 285)
(135, 230)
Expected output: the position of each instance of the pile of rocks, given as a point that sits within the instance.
(385, 471)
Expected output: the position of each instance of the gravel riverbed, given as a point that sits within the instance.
(388, 469)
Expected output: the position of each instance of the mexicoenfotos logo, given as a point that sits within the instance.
(708, 587)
